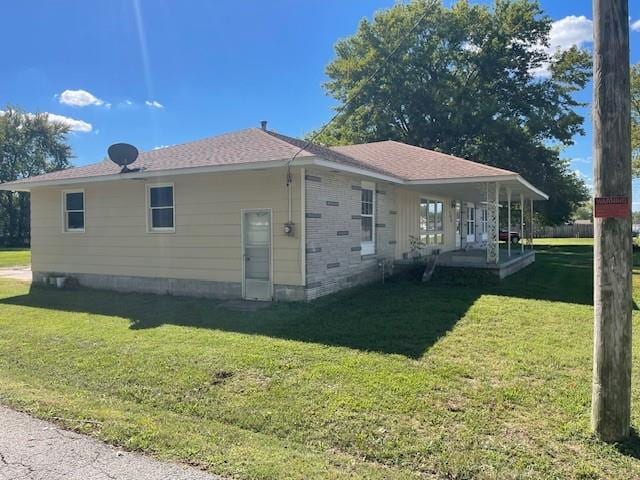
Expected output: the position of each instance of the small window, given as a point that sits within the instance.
(73, 211)
(368, 222)
(161, 208)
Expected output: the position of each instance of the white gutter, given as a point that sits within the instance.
(143, 174)
(321, 162)
(489, 178)
(441, 181)
(304, 161)
(531, 187)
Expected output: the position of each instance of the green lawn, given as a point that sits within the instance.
(14, 257)
(401, 380)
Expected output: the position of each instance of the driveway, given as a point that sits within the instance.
(16, 273)
(32, 449)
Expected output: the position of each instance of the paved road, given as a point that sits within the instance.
(16, 273)
(32, 449)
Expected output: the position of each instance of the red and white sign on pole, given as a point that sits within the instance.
(611, 207)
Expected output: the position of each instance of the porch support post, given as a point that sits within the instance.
(531, 222)
(521, 223)
(493, 204)
(508, 222)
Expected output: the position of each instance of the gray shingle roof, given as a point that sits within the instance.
(414, 163)
(255, 145)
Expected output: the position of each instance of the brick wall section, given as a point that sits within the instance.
(333, 228)
(385, 221)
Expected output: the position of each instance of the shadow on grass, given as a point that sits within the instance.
(631, 446)
(400, 317)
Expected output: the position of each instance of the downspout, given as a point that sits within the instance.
(303, 227)
(289, 181)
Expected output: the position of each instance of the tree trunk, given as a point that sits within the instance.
(611, 401)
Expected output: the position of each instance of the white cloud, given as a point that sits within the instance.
(126, 104)
(635, 26)
(160, 147)
(73, 124)
(570, 31)
(153, 104)
(80, 98)
(565, 33)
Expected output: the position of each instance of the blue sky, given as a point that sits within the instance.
(161, 72)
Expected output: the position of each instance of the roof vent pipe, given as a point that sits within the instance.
(263, 125)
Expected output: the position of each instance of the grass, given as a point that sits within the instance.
(563, 241)
(14, 257)
(401, 380)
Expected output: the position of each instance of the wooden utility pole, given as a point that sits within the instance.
(611, 401)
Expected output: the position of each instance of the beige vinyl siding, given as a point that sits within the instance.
(207, 242)
(408, 220)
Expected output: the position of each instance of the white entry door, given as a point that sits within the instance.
(256, 254)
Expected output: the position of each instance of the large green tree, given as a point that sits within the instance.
(30, 144)
(470, 80)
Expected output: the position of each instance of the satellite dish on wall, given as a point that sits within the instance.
(123, 154)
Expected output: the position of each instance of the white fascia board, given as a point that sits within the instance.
(491, 178)
(534, 189)
(304, 161)
(444, 181)
(141, 175)
(321, 162)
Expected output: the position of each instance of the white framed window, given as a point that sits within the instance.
(73, 211)
(471, 221)
(431, 222)
(161, 215)
(368, 218)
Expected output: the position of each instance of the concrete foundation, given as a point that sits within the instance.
(170, 286)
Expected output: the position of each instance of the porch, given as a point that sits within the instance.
(468, 222)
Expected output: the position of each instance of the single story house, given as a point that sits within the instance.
(237, 215)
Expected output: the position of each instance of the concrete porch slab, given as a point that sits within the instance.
(477, 259)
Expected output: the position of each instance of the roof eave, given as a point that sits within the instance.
(483, 179)
(141, 175)
(534, 189)
(477, 179)
(323, 162)
(301, 161)
(304, 161)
